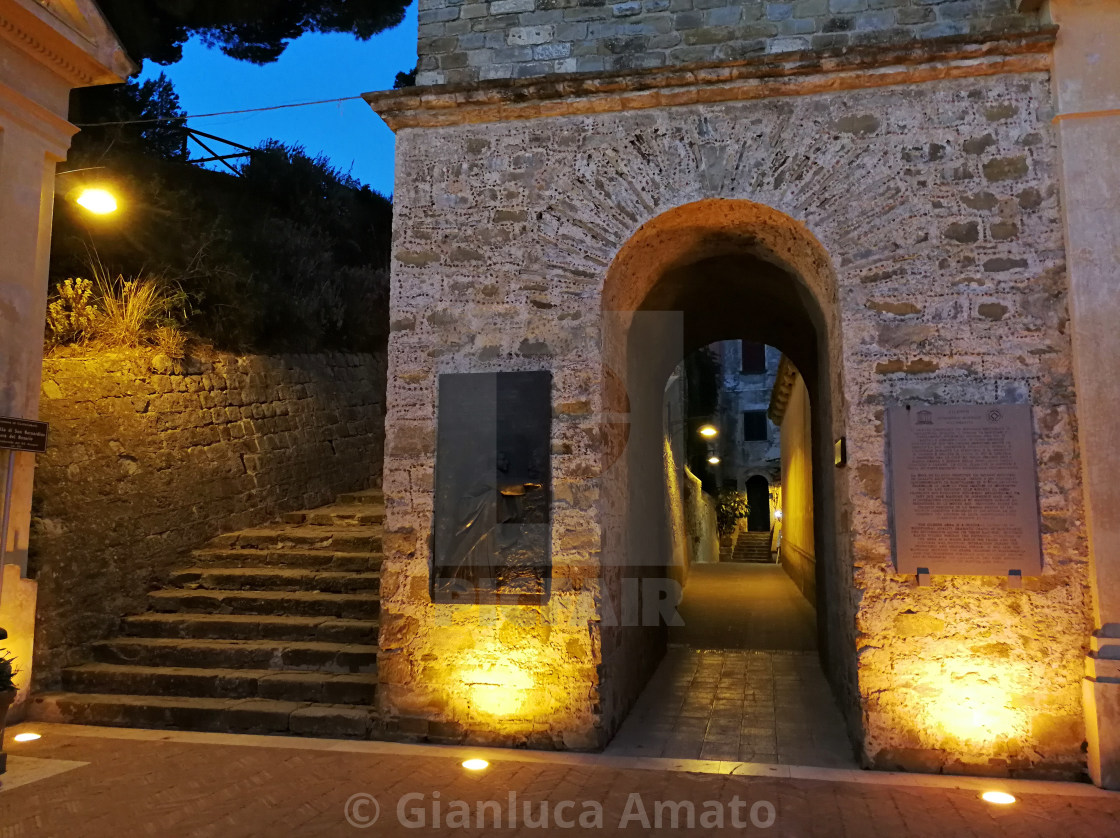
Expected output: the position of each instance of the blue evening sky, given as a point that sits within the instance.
(312, 67)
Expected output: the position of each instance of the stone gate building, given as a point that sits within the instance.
(915, 200)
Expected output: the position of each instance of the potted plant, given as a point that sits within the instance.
(7, 695)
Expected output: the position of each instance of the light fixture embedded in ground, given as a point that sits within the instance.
(475, 764)
(26, 737)
(708, 431)
(1000, 797)
(713, 460)
(98, 201)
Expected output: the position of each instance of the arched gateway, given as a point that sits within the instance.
(708, 270)
(887, 219)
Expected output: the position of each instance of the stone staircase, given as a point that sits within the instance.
(268, 630)
(751, 547)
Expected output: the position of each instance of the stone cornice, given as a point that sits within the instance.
(783, 387)
(51, 127)
(83, 56)
(786, 74)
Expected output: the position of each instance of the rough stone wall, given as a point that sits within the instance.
(143, 466)
(464, 41)
(700, 512)
(938, 206)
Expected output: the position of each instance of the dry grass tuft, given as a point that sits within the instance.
(132, 309)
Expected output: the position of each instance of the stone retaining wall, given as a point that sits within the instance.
(145, 463)
(463, 42)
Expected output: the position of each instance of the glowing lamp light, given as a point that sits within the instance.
(778, 514)
(475, 764)
(27, 737)
(97, 201)
(713, 460)
(1000, 798)
(708, 431)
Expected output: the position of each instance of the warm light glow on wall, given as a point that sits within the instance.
(499, 690)
(967, 703)
(513, 671)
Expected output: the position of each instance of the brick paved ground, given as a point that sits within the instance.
(172, 785)
(745, 683)
(751, 706)
(744, 606)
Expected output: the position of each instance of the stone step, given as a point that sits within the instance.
(249, 715)
(273, 603)
(251, 627)
(320, 687)
(339, 515)
(236, 654)
(289, 558)
(348, 539)
(275, 579)
(374, 497)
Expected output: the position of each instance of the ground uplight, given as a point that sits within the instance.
(1001, 798)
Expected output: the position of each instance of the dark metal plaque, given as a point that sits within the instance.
(23, 435)
(964, 490)
(492, 534)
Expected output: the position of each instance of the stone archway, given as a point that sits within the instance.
(707, 271)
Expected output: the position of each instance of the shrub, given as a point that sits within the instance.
(731, 506)
(7, 671)
(72, 314)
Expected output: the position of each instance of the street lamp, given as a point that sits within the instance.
(91, 192)
(96, 200)
(708, 431)
(713, 460)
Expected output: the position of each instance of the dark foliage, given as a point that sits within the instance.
(154, 103)
(249, 30)
(404, 79)
(293, 255)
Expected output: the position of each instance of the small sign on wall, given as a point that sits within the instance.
(23, 435)
(964, 490)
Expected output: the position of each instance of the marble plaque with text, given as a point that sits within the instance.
(964, 489)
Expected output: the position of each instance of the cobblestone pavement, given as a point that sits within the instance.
(152, 783)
